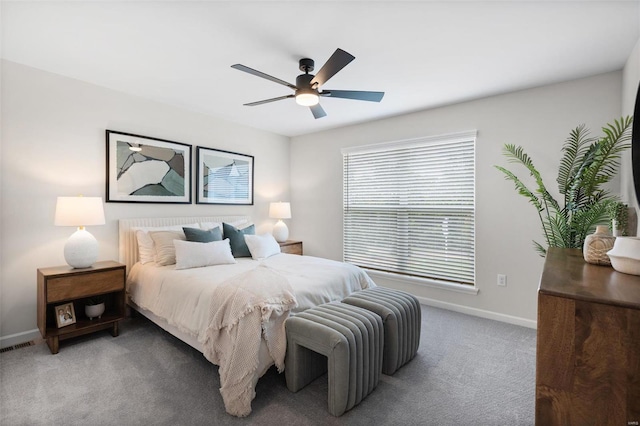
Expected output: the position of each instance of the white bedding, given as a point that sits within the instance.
(183, 297)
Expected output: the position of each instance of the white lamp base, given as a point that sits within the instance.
(81, 249)
(280, 232)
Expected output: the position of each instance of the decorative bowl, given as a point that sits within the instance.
(625, 255)
(94, 311)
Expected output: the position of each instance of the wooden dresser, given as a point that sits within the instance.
(588, 348)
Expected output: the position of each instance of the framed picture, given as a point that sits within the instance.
(65, 315)
(141, 169)
(224, 177)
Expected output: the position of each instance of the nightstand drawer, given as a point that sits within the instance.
(75, 286)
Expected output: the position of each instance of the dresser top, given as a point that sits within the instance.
(566, 274)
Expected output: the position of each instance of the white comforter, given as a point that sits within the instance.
(183, 297)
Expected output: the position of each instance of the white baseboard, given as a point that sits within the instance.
(16, 339)
(478, 312)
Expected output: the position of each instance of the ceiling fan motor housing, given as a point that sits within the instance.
(306, 65)
(303, 81)
(305, 90)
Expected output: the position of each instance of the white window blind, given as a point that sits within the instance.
(409, 207)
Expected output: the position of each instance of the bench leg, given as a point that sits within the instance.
(302, 365)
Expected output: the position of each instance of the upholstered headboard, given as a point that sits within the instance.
(128, 244)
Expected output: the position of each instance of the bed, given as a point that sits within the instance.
(233, 313)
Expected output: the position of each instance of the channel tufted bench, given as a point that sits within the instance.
(342, 340)
(402, 319)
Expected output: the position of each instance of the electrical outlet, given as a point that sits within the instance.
(502, 280)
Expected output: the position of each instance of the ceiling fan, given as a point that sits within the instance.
(308, 87)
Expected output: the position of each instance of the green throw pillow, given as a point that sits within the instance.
(201, 236)
(236, 238)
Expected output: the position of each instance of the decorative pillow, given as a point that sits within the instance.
(236, 238)
(146, 250)
(191, 254)
(240, 224)
(262, 246)
(200, 236)
(163, 242)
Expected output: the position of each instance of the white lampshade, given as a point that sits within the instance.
(81, 249)
(79, 211)
(280, 210)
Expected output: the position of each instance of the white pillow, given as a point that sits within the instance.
(190, 254)
(210, 225)
(262, 246)
(163, 243)
(146, 249)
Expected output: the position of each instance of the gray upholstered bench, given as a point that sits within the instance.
(344, 341)
(402, 319)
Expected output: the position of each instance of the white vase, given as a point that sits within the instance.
(617, 232)
(94, 311)
(597, 245)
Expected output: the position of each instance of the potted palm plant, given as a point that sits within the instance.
(587, 164)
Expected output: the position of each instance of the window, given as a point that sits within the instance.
(409, 207)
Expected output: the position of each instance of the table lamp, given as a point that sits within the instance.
(81, 249)
(280, 211)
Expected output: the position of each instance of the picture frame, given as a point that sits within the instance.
(223, 177)
(65, 315)
(143, 169)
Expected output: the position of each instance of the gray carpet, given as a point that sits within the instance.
(468, 371)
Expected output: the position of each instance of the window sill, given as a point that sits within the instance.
(427, 282)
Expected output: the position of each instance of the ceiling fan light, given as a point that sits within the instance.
(307, 99)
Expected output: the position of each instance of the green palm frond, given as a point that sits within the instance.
(584, 221)
(574, 148)
(521, 188)
(516, 154)
(540, 249)
(587, 164)
(607, 153)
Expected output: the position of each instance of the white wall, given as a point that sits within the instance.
(630, 81)
(52, 137)
(538, 119)
(53, 143)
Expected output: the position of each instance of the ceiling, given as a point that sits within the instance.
(423, 54)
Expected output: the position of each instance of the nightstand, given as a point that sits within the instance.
(291, 247)
(63, 284)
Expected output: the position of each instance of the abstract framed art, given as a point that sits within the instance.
(223, 177)
(142, 169)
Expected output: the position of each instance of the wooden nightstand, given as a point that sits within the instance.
(291, 247)
(64, 284)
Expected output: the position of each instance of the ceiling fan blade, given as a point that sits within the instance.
(336, 62)
(266, 101)
(318, 111)
(251, 71)
(354, 94)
